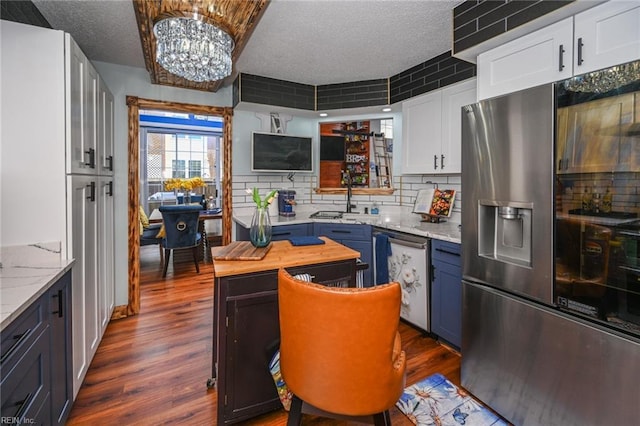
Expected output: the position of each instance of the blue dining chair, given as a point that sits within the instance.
(181, 231)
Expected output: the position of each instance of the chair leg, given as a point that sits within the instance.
(161, 254)
(295, 412)
(167, 255)
(195, 258)
(382, 419)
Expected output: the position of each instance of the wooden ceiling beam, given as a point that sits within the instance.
(238, 17)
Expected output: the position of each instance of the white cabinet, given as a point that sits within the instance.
(537, 58)
(105, 129)
(431, 129)
(607, 35)
(597, 38)
(57, 120)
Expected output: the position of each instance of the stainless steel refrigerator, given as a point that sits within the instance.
(528, 358)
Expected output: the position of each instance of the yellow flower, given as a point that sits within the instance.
(184, 184)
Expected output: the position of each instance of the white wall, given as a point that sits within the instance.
(127, 81)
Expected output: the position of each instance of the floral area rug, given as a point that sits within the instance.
(437, 401)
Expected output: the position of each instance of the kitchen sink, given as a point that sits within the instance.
(326, 214)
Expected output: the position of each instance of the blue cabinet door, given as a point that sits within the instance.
(356, 236)
(446, 292)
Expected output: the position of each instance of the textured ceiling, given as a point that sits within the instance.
(304, 41)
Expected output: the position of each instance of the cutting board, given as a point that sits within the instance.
(241, 250)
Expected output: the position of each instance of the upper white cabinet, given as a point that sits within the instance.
(603, 36)
(431, 129)
(537, 58)
(607, 35)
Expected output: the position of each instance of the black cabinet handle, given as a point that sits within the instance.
(580, 58)
(561, 58)
(442, 161)
(435, 162)
(60, 311)
(92, 158)
(110, 190)
(560, 164)
(18, 339)
(341, 231)
(448, 252)
(279, 234)
(110, 160)
(92, 195)
(23, 406)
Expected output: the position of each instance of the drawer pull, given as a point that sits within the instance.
(340, 231)
(60, 312)
(279, 234)
(448, 252)
(18, 339)
(23, 406)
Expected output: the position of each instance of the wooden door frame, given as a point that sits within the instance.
(134, 105)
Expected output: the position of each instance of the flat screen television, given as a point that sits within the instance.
(276, 152)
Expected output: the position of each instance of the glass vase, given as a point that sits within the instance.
(260, 231)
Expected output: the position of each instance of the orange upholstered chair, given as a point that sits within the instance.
(340, 352)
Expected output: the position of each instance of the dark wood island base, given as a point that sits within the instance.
(245, 320)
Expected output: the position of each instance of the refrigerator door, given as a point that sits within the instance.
(538, 366)
(507, 179)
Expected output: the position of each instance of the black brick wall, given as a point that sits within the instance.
(269, 91)
(436, 73)
(353, 95)
(23, 12)
(475, 21)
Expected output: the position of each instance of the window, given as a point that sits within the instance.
(386, 127)
(178, 146)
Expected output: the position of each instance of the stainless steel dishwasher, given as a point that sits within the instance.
(408, 264)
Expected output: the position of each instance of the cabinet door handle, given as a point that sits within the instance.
(560, 164)
(448, 252)
(110, 190)
(60, 307)
(580, 58)
(340, 231)
(92, 158)
(435, 162)
(561, 58)
(92, 194)
(110, 160)
(18, 339)
(442, 162)
(23, 406)
(279, 234)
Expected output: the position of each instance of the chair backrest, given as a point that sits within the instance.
(181, 225)
(338, 345)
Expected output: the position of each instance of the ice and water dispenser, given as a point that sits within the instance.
(505, 232)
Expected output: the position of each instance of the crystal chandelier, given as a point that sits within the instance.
(605, 80)
(192, 48)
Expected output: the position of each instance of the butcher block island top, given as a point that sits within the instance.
(284, 254)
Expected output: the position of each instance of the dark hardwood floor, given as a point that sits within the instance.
(152, 369)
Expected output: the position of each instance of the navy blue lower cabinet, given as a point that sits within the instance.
(278, 233)
(356, 236)
(446, 292)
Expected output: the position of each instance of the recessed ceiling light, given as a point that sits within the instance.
(323, 114)
(386, 109)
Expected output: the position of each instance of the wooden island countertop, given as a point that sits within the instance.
(284, 254)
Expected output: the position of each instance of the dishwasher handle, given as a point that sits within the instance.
(409, 243)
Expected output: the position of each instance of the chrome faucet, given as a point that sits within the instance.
(347, 178)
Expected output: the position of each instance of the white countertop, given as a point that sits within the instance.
(396, 219)
(26, 273)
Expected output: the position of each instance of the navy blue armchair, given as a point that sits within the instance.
(181, 229)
